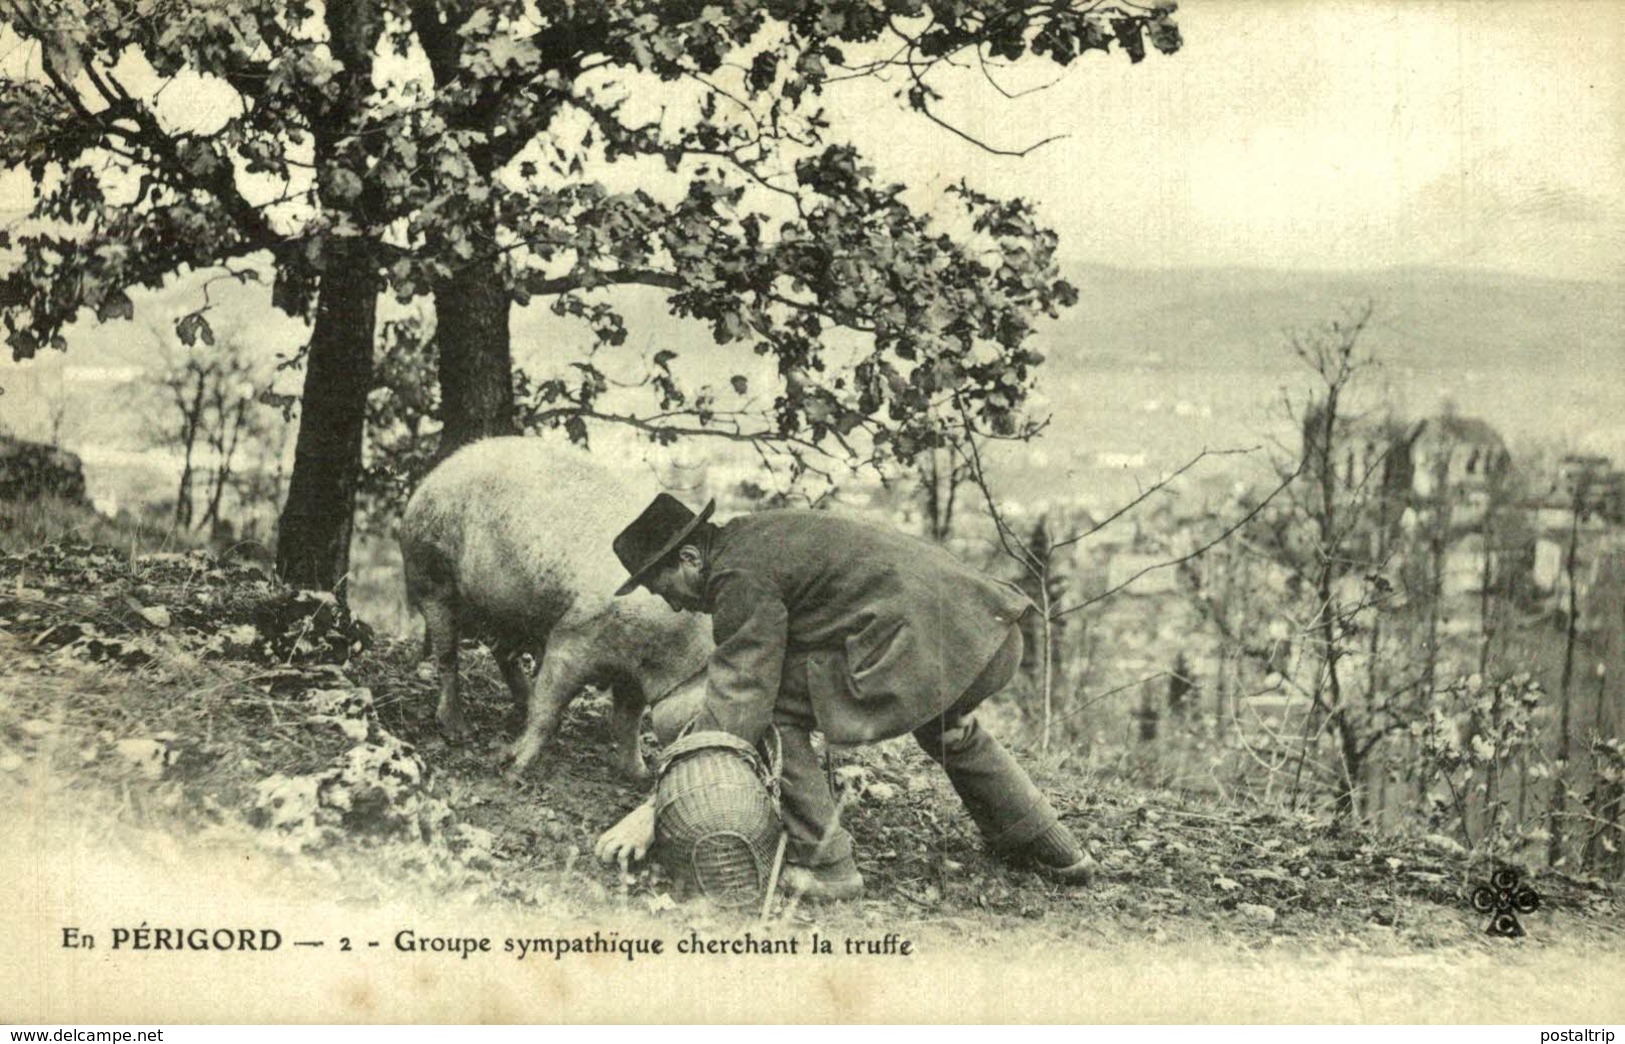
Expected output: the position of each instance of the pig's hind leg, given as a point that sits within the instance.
(440, 641)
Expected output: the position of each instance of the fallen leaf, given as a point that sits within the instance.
(1262, 873)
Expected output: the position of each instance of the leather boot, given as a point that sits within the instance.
(830, 882)
(1057, 855)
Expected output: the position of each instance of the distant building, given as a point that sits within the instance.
(1448, 458)
(1463, 570)
(1582, 509)
(1459, 461)
(1587, 490)
(1369, 457)
(1591, 485)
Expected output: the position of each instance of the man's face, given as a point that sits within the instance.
(679, 583)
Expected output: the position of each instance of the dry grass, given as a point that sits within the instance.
(25, 525)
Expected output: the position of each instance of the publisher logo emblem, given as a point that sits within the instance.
(1504, 898)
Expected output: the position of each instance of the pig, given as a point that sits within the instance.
(509, 540)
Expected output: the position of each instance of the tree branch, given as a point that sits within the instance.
(1204, 549)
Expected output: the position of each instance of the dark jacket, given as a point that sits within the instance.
(890, 630)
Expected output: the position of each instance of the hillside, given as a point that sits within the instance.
(1426, 319)
(189, 697)
(1149, 369)
(1152, 367)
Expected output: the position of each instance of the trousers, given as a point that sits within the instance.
(1007, 808)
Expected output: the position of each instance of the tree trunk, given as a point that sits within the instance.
(183, 496)
(191, 421)
(939, 484)
(223, 475)
(1486, 632)
(1329, 571)
(1436, 541)
(1602, 799)
(1350, 798)
(471, 304)
(313, 538)
(1376, 681)
(1049, 657)
(476, 361)
(1571, 634)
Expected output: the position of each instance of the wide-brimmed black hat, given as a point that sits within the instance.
(657, 532)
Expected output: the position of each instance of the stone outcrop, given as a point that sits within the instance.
(31, 470)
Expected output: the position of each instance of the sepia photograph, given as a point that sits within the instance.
(812, 511)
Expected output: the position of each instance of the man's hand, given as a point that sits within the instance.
(629, 840)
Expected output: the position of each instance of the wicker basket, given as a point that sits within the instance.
(717, 817)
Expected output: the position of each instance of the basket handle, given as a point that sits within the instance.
(767, 763)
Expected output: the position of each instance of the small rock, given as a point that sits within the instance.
(244, 634)
(1445, 844)
(37, 728)
(1224, 884)
(156, 615)
(10, 762)
(881, 791)
(1257, 912)
(146, 755)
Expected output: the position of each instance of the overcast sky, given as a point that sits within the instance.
(1316, 134)
(1322, 135)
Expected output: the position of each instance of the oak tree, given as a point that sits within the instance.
(470, 151)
